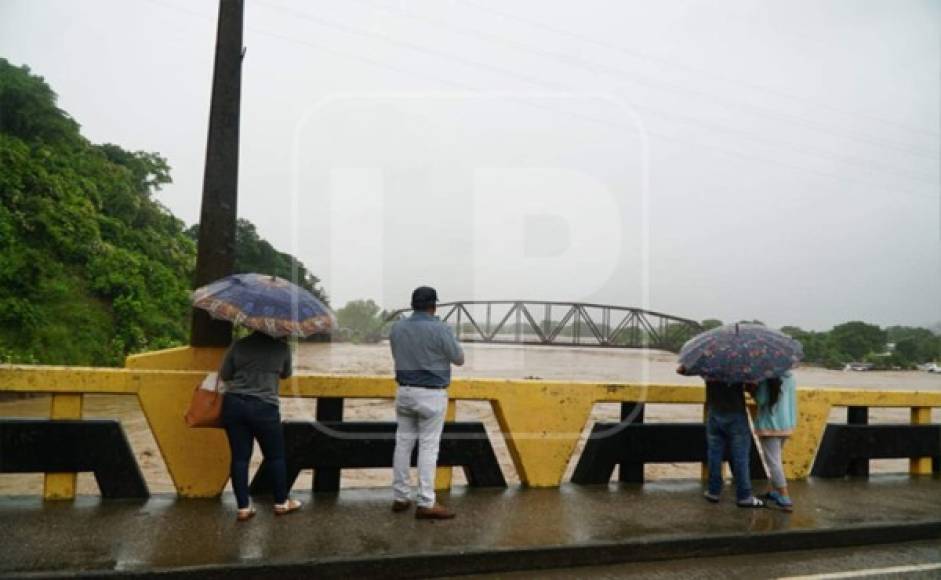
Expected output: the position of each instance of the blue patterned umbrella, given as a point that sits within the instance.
(740, 353)
(268, 304)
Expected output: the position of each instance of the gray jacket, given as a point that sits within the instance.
(253, 365)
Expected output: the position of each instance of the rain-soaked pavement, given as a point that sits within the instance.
(355, 533)
(908, 561)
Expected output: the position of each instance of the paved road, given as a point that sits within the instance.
(916, 560)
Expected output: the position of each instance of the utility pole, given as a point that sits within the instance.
(217, 219)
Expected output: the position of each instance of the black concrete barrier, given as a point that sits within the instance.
(633, 472)
(631, 445)
(328, 409)
(858, 416)
(73, 446)
(336, 445)
(847, 449)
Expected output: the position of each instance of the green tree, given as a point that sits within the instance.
(92, 267)
(795, 332)
(29, 109)
(914, 344)
(818, 347)
(710, 323)
(857, 339)
(907, 350)
(255, 254)
(361, 321)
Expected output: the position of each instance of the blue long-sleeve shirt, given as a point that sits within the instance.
(424, 349)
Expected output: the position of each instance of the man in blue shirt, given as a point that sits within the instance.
(424, 349)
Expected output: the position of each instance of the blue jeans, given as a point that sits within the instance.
(729, 430)
(245, 419)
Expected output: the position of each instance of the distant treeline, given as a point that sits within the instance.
(894, 347)
(92, 267)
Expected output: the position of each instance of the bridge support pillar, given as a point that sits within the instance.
(62, 485)
(858, 416)
(328, 409)
(443, 475)
(197, 459)
(631, 472)
(920, 465)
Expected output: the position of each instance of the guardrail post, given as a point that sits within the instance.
(858, 416)
(633, 412)
(62, 485)
(443, 474)
(920, 465)
(328, 409)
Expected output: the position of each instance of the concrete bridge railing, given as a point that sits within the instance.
(540, 420)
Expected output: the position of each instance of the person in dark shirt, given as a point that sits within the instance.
(727, 427)
(251, 410)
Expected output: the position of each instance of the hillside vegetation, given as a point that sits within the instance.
(92, 267)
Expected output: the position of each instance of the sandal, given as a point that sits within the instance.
(784, 502)
(291, 505)
(245, 514)
(752, 502)
(781, 501)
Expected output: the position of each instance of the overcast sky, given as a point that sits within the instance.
(736, 159)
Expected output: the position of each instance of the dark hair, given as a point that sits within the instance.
(774, 390)
(424, 297)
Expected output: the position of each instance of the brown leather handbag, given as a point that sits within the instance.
(205, 408)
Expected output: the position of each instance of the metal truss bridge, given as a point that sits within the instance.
(563, 324)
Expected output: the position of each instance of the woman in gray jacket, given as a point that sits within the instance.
(251, 410)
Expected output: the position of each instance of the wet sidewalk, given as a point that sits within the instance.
(354, 533)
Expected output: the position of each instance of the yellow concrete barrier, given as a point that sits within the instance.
(920, 465)
(443, 475)
(541, 420)
(62, 485)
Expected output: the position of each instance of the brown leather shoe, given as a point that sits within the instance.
(435, 512)
(401, 505)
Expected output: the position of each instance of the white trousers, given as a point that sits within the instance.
(420, 416)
